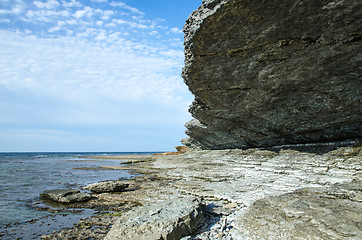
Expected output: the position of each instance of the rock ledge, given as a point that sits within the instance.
(170, 219)
(269, 73)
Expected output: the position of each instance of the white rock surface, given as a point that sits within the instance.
(168, 220)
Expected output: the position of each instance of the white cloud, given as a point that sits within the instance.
(131, 24)
(154, 33)
(54, 29)
(101, 36)
(79, 13)
(127, 7)
(110, 24)
(45, 15)
(61, 23)
(87, 11)
(4, 11)
(75, 85)
(72, 3)
(72, 65)
(17, 9)
(105, 14)
(79, 17)
(49, 4)
(175, 30)
(71, 22)
(71, 68)
(69, 32)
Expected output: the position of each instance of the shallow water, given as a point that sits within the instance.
(46, 225)
(23, 176)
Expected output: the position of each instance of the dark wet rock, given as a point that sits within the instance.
(95, 227)
(269, 73)
(310, 213)
(171, 219)
(65, 196)
(107, 186)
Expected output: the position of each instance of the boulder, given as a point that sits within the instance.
(65, 195)
(268, 73)
(107, 186)
(309, 213)
(168, 220)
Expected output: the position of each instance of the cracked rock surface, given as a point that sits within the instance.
(169, 220)
(308, 213)
(258, 194)
(267, 73)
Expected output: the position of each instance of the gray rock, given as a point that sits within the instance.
(167, 220)
(310, 213)
(65, 195)
(222, 177)
(267, 73)
(107, 186)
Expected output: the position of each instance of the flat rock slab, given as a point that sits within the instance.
(65, 195)
(171, 219)
(309, 213)
(107, 186)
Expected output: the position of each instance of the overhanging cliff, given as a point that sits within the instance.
(268, 73)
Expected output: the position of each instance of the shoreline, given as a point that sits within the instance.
(229, 183)
(60, 216)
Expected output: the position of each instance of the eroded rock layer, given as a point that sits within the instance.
(308, 213)
(267, 73)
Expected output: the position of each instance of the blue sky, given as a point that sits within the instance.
(97, 75)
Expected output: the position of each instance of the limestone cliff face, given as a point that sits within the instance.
(273, 72)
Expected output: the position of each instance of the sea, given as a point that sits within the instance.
(23, 176)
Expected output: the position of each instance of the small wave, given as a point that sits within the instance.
(41, 156)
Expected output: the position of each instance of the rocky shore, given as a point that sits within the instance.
(264, 74)
(232, 194)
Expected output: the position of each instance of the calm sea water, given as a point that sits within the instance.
(23, 176)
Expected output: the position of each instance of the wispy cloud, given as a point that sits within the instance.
(59, 18)
(15, 7)
(71, 67)
(49, 4)
(70, 4)
(125, 6)
(72, 64)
